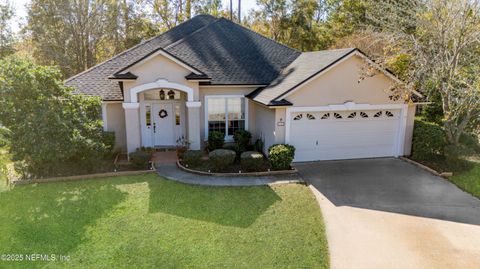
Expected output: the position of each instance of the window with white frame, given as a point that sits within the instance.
(225, 114)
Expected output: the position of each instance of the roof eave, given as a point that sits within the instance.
(125, 76)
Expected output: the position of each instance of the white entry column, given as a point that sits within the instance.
(132, 125)
(193, 110)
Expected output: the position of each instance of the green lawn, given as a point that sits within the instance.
(469, 180)
(149, 222)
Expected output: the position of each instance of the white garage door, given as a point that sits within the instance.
(344, 134)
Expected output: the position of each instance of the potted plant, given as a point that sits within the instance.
(182, 146)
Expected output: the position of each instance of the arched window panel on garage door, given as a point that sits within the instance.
(325, 116)
(337, 115)
(298, 117)
(310, 116)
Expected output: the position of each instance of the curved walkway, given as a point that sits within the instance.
(172, 172)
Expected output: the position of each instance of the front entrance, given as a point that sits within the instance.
(163, 124)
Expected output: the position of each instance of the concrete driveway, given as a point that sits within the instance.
(386, 213)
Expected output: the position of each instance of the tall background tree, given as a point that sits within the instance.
(436, 42)
(75, 35)
(6, 36)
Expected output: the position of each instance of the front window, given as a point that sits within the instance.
(148, 112)
(226, 115)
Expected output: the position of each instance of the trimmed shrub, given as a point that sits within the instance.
(221, 159)
(215, 140)
(140, 159)
(429, 140)
(231, 146)
(259, 145)
(242, 139)
(192, 157)
(281, 156)
(108, 139)
(251, 160)
(471, 142)
(453, 160)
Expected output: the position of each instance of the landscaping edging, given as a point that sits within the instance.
(81, 177)
(246, 174)
(424, 167)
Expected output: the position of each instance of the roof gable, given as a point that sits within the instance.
(218, 51)
(307, 67)
(94, 81)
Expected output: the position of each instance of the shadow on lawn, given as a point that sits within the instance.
(52, 218)
(229, 206)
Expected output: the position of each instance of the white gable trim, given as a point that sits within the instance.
(166, 55)
(161, 83)
(355, 53)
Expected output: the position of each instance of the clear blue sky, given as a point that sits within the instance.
(21, 13)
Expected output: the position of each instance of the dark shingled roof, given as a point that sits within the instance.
(232, 54)
(307, 65)
(94, 81)
(222, 50)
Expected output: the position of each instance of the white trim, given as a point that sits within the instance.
(402, 129)
(399, 143)
(122, 79)
(104, 116)
(130, 105)
(226, 118)
(344, 107)
(112, 102)
(166, 55)
(356, 53)
(199, 79)
(160, 83)
(193, 104)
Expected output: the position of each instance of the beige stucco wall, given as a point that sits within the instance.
(116, 123)
(280, 114)
(409, 129)
(341, 84)
(235, 90)
(159, 67)
(264, 124)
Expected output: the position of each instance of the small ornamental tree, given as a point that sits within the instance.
(52, 131)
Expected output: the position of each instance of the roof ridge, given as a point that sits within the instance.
(131, 48)
(328, 50)
(192, 33)
(262, 36)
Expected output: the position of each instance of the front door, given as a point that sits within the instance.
(163, 124)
